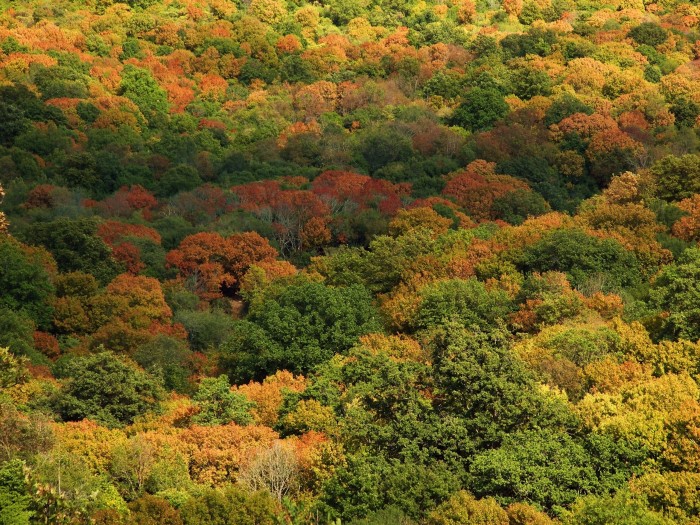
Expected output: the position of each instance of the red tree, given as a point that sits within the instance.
(126, 200)
(477, 187)
(216, 263)
(116, 235)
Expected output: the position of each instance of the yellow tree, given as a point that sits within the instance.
(218, 452)
(659, 415)
(269, 395)
(399, 347)
(462, 507)
(89, 441)
(677, 494)
(424, 217)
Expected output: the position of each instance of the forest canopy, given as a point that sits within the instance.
(374, 262)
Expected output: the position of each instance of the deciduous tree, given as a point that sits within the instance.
(107, 389)
(216, 263)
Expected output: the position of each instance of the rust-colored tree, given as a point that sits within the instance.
(215, 264)
(688, 227)
(478, 186)
(299, 217)
(116, 235)
(347, 191)
(128, 200)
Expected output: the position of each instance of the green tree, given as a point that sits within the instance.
(649, 33)
(83, 492)
(543, 467)
(80, 170)
(87, 111)
(207, 330)
(446, 84)
(481, 110)
(467, 302)
(61, 81)
(107, 389)
(179, 178)
(535, 42)
(677, 178)
(76, 247)
(382, 266)
(168, 358)
(300, 327)
(563, 107)
(382, 403)
(383, 145)
(14, 497)
(528, 82)
(218, 405)
(13, 120)
(248, 353)
(45, 141)
(542, 177)
(16, 332)
(342, 11)
(295, 69)
(18, 107)
(479, 381)
(516, 206)
(368, 483)
(25, 284)
(484, 46)
(581, 257)
(676, 290)
(686, 112)
(385, 516)
(139, 86)
(131, 48)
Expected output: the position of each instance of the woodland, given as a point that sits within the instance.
(358, 262)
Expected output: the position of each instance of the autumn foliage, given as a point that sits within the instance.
(216, 264)
(371, 262)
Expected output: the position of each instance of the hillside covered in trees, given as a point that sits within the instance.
(370, 262)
